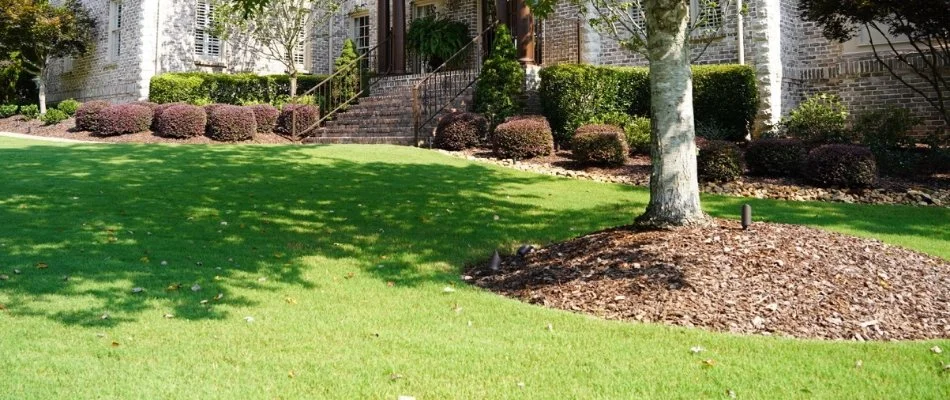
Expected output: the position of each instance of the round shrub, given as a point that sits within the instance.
(231, 123)
(636, 129)
(844, 165)
(8, 110)
(719, 161)
(599, 144)
(775, 157)
(123, 119)
(266, 117)
(87, 115)
(53, 117)
(181, 121)
(306, 116)
(821, 118)
(30, 111)
(523, 138)
(149, 104)
(157, 113)
(460, 130)
(68, 106)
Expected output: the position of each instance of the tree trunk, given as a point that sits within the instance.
(41, 88)
(293, 83)
(674, 187)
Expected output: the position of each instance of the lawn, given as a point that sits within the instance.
(332, 266)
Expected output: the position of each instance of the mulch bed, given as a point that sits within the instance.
(771, 279)
(67, 130)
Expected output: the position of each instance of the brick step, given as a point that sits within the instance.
(362, 132)
(400, 140)
(369, 125)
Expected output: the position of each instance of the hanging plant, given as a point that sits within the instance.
(437, 38)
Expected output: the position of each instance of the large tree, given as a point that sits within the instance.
(915, 33)
(34, 32)
(279, 30)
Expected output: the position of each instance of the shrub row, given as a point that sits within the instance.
(723, 96)
(203, 88)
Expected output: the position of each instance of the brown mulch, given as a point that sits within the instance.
(771, 279)
(67, 130)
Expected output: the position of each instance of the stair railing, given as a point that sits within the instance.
(343, 87)
(439, 88)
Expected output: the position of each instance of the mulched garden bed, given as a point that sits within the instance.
(771, 279)
(66, 130)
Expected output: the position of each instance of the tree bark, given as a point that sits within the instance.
(674, 187)
(41, 88)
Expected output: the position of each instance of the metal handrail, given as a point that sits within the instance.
(418, 119)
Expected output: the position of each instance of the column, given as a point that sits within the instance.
(382, 33)
(399, 37)
(525, 33)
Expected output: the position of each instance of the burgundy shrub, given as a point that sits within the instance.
(523, 138)
(231, 123)
(123, 119)
(181, 121)
(306, 116)
(87, 115)
(266, 116)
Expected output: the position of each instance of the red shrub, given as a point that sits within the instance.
(266, 116)
(460, 130)
(306, 115)
(523, 138)
(844, 165)
(181, 121)
(231, 123)
(87, 115)
(123, 119)
(600, 144)
(158, 110)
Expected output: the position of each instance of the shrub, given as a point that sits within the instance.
(460, 130)
(725, 95)
(885, 128)
(87, 115)
(124, 119)
(30, 111)
(231, 123)
(8, 110)
(150, 105)
(53, 117)
(820, 119)
(636, 129)
(522, 138)
(209, 108)
(157, 113)
(181, 121)
(600, 144)
(266, 117)
(68, 106)
(501, 81)
(307, 115)
(843, 165)
(202, 88)
(719, 161)
(714, 131)
(775, 157)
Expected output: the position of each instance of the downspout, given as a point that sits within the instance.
(740, 31)
(158, 35)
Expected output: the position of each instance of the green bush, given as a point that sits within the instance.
(844, 165)
(30, 111)
(460, 130)
(521, 138)
(719, 161)
(886, 128)
(724, 95)
(68, 106)
(820, 119)
(8, 110)
(53, 117)
(347, 83)
(600, 144)
(635, 129)
(501, 81)
(201, 88)
(776, 157)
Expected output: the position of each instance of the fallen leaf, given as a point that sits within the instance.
(936, 350)
(4, 277)
(349, 275)
(521, 385)
(137, 290)
(395, 376)
(448, 289)
(203, 302)
(196, 287)
(42, 266)
(290, 300)
(115, 344)
(164, 263)
(262, 279)
(144, 260)
(550, 327)
(17, 272)
(249, 319)
(173, 287)
(697, 349)
(168, 316)
(709, 363)
(390, 283)
(858, 364)
(104, 316)
(3, 307)
(219, 296)
(291, 374)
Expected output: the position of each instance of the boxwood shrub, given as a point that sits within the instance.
(723, 95)
(87, 115)
(68, 106)
(636, 129)
(30, 111)
(53, 116)
(181, 121)
(600, 144)
(122, 119)
(231, 123)
(460, 130)
(719, 161)
(522, 138)
(306, 116)
(843, 165)
(8, 110)
(776, 157)
(203, 88)
(266, 117)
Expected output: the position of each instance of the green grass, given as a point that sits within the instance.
(356, 244)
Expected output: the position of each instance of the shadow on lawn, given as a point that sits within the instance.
(108, 216)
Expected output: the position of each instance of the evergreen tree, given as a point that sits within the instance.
(501, 81)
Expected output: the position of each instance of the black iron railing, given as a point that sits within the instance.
(439, 88)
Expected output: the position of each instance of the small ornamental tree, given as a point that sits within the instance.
(501, 82)
(346, 85)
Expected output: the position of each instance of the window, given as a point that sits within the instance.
(206, 44)
(300, 50)
(423, 9)
(115, 30)
(705, 15)
(361, 34)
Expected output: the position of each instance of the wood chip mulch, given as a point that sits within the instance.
(67, 130)
(771, 279)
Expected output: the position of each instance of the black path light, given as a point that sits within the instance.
(746, 216)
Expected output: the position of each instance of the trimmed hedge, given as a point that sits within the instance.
(87, 115)
(719, 161)
(181, 121)
(203, 87)
(776, 157)
(523, 137)
(460, 130)
(600, 144)
(124, 119)
(307, 116)
(844, 165)
(231, 123)
(266, 117)
(723, 95)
